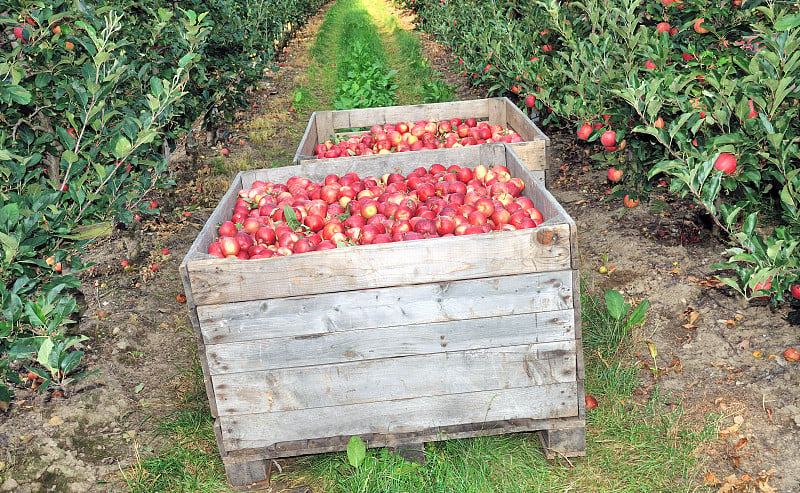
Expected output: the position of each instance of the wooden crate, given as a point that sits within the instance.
(398, 343)
(534, 152)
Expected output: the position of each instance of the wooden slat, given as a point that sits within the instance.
(388, 342)
(377, 440)
(387, 307)
(362, 382)
(306, 148)
(533, 154)
(325, 127)
(523, 125)
(402, 416)
(543, 249)
(198, 250)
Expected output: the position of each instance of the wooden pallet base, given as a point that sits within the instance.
(250, 469)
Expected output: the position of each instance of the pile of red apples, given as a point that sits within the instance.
(272, 219)
(402, 137)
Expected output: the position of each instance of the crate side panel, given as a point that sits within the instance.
(309, 141)
(223, 212)
(362, 382)
(261, 430)
(386, 307)
(523, 125)
(544, 249)
(389, 342)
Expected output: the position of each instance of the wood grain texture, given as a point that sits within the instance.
(389, 342)
(376, 440)
(544, 249)
(395, 378)
(261, 430)
(387, 307)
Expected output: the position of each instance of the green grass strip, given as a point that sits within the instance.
(417, 81)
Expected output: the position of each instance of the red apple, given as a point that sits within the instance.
(609, 138)
(791, 355)
(795, 291)
(228, 228)
(584, 131)
(630, 202)
(698, 26)
(614, 174)
(229, 246)
(591, 402)
(726, 163)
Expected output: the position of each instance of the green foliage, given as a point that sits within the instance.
(676, 100)
(93, 96)
(367, 83)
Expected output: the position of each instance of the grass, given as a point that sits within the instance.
(418, 81)
(358, 33)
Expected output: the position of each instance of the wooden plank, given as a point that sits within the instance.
(309, 140)
(533, 154)
(261, 430)
(432, 434)
(498, 114)
(325, 127)
(388, 342)
(395, 378)
(387, 307)
(544, 249)
(523, 125)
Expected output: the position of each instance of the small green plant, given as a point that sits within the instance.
(437, 91)
(367, 83)
(621, 311)
(356, 451)
(59, 362)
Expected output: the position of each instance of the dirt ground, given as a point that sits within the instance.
(140, 336)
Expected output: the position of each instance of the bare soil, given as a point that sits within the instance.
(142, 342)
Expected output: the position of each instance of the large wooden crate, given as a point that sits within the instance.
(398, 343)
(534, 152)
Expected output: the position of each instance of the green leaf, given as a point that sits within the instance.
(10, 245)
(89, 231)
(122, 147)
(71, 361)
(45, 351)
(356, 451)
(615, 304)
(291, 217)
(787, 22)
(639, 314)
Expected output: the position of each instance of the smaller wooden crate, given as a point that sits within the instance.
(398, 343)
(534, 152)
